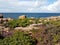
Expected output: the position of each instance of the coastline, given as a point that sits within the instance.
(37, 28)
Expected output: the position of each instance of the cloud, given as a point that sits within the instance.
(29, 6)
(54, 7)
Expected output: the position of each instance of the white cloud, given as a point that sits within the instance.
(29, 6)
(54, 7)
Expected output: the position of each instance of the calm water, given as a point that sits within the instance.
(36, 15)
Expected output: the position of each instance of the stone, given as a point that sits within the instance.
(22, 17)
(18, 28)
(32, 18)
(1, 16)
(6, 29)
(9, 19)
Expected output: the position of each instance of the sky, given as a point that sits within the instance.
(30, 6)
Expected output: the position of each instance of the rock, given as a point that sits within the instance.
(9, 19)
(6, 29)
(32, 21)
(4, 19)
(22, 17)
(1, 16)
(32, 18)
(40, 20)
(36, 25)
(1, 20)
(18, 28)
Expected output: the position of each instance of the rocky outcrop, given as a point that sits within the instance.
(31, 27)
(22, 17)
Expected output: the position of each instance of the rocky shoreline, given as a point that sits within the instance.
(34, 26)
(42, 29)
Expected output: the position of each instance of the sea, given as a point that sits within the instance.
(36, 15)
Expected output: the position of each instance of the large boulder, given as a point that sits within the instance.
(22, 17)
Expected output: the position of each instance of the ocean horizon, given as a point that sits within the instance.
(36, 15)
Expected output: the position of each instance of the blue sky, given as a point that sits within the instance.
(30, 6)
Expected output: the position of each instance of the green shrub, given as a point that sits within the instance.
(18, 38)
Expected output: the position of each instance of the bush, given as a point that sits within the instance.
(18, 38)
(19, 22)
